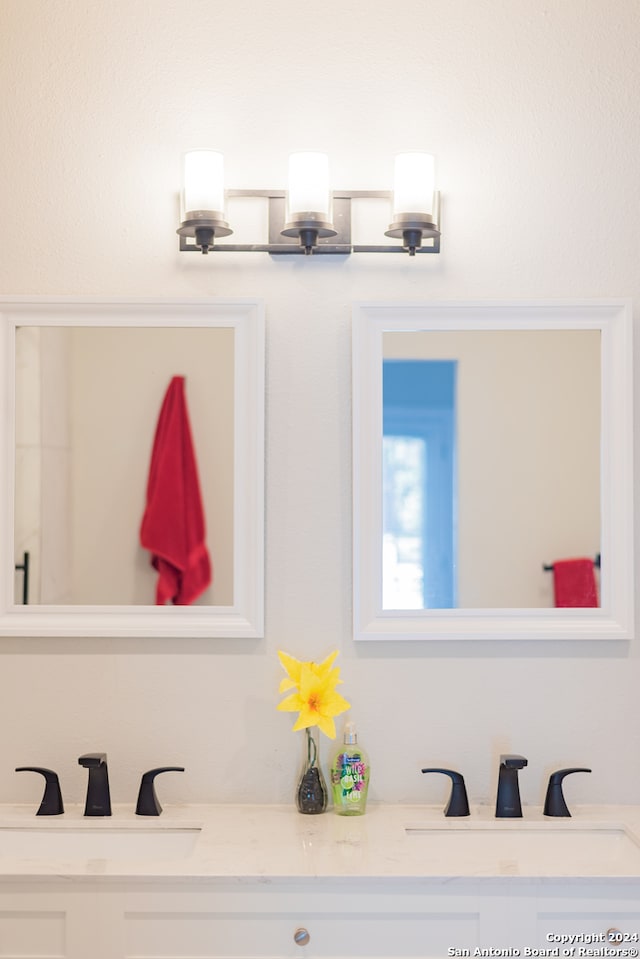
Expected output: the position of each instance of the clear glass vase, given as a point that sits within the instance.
(311, 793)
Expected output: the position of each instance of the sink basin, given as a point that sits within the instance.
(515, 848)
(97, 842)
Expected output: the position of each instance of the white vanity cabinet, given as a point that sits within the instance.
(336, 918)
(264, 882)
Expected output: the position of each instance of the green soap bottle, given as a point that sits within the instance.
(350, 775)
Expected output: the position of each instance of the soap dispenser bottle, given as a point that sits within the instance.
(350, 775)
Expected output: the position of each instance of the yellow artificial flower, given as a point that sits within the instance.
(315, 698)
(293, 668)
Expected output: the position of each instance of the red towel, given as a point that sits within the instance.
(574, 582)
(173, 528)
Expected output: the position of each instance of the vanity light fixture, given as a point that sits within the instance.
(309, 217)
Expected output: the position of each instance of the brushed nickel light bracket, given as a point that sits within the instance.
(287, 241)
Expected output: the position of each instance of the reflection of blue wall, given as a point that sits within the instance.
(419, 384)
(419, 401)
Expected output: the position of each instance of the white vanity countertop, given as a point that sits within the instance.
(274, 843)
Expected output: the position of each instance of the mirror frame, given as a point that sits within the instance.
(243, 619)
(614, 619)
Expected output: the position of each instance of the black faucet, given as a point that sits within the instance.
(98, 799)
(508, 798)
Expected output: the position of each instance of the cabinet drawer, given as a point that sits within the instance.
(216, 935)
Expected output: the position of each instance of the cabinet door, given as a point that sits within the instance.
(52, 923)
(607, 918)
(35, 929)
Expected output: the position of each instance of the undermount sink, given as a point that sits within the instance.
(97, 842)
(516, 848)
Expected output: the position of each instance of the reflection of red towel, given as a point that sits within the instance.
(173, 523)
(574, 582)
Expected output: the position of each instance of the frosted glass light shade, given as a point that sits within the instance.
(203, 181)
(308, 185)
(414, 183)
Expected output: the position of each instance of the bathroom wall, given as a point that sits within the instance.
(531, 111)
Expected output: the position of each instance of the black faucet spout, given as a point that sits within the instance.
(98, 802)
(508, 804)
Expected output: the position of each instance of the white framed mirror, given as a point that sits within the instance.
(83, 386)
(516, 460)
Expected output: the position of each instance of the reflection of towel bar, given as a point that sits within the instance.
(549, 569)
(24, 567)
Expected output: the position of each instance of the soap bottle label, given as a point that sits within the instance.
(349, 779)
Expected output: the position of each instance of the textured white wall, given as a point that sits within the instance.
(531, 110)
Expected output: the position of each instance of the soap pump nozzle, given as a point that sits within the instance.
(350, 734)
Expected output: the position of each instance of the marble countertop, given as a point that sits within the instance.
(273, 843)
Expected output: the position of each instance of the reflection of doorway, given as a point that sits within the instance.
(419, 484)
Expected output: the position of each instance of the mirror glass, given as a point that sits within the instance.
(485, 438)
(491, 464)
(88, 383)
(83, 452)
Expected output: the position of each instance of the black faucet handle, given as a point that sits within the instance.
(513, 761)
(51, 804)
(554, 803)
(458, 804)
(148, 803)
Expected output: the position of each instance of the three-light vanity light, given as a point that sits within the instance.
(309, 217)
